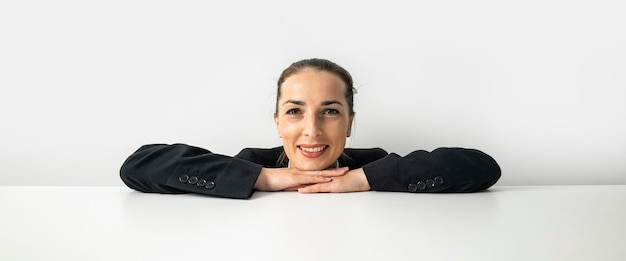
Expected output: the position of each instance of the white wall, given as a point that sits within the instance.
(539, 85)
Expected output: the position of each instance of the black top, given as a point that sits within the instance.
(181, 168)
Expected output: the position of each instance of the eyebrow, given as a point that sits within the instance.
(324, 103)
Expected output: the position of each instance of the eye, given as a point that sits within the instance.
(331, 111)
(292, 111)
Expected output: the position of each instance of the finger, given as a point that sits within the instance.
(305, 180)
(310, 180)
(327, 173)
(293, 188)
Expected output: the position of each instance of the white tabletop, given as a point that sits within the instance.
(505, 223)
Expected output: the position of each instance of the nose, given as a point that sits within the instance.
(312, 126)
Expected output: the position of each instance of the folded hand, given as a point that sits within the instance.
(353, 181)
(276, 179)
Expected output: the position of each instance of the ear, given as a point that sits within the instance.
(350, 126)
(276, 122)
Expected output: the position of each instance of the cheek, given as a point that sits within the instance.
(287, 130)
(289, 133)
(338, 131)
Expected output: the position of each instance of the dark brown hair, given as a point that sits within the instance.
(322, 65)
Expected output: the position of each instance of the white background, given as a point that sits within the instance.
(539, 85)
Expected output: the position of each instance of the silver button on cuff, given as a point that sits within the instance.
(421, 185)
(439, 180)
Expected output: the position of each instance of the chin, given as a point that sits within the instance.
(305, 166)
(324, 161)
(313, 165)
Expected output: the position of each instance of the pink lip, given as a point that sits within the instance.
(315, 154)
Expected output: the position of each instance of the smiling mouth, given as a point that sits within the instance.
(313, 152)
(312, 149)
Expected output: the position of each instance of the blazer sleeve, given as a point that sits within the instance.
(179, 168)
(442, 170)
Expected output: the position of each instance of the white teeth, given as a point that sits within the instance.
(317, 149)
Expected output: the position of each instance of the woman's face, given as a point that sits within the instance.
(313, 119)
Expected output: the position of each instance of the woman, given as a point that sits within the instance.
(314, 114)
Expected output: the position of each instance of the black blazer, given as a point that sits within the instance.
(181, 168)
